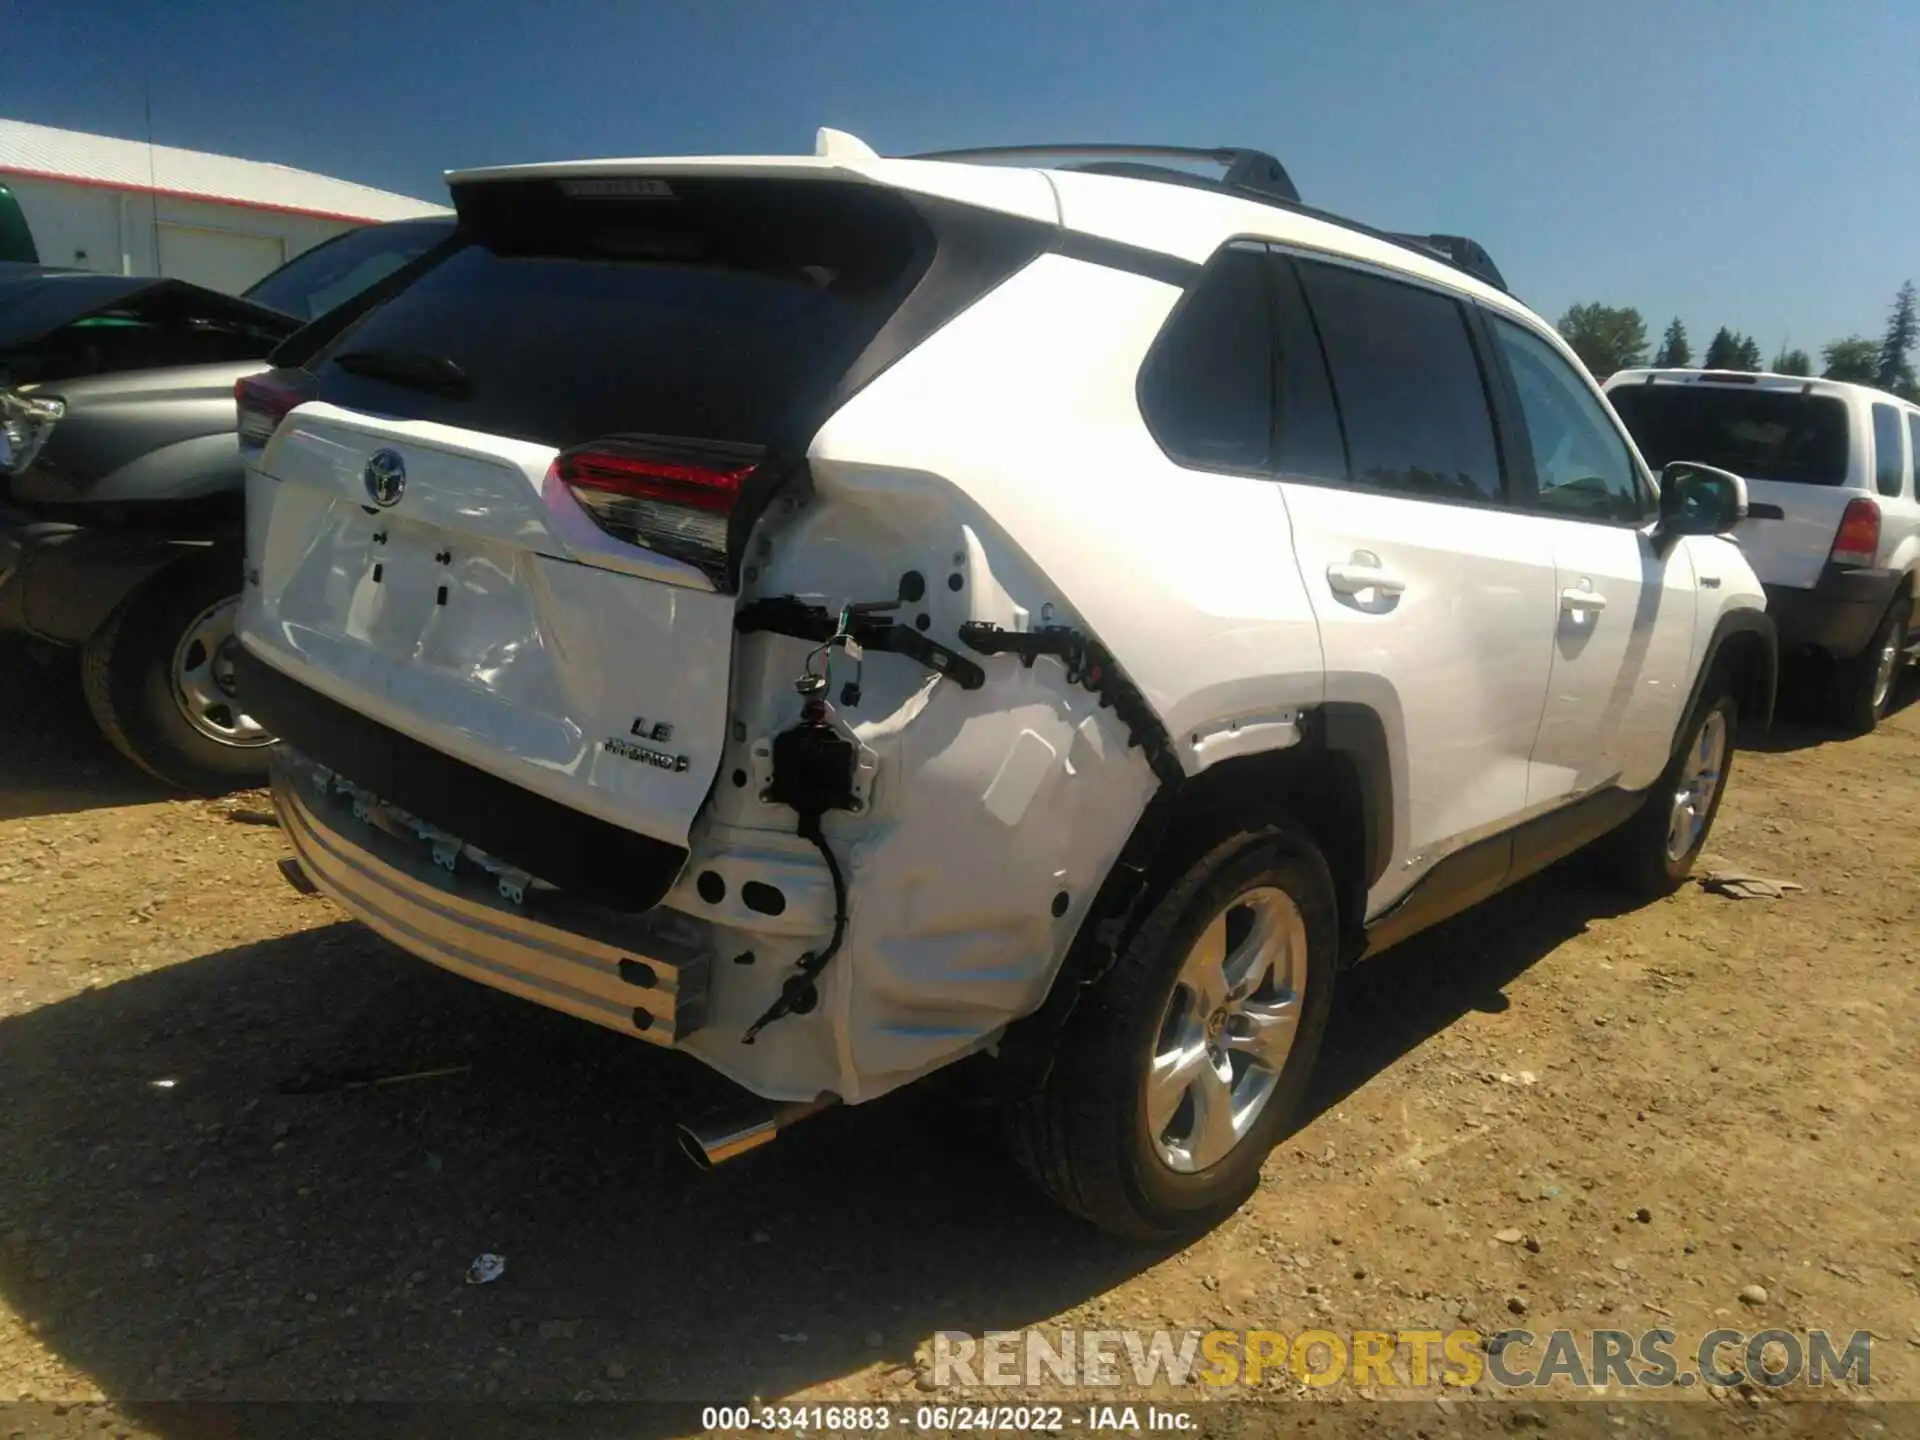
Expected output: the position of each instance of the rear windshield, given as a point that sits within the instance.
(336, 270)
(1758, 434)
(726, 310)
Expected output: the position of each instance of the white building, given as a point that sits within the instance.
(124, 207)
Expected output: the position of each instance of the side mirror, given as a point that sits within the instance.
(1698, 499)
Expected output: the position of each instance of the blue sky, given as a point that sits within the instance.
(1738, 162)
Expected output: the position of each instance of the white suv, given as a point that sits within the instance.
(1840, 562)
(838, 615)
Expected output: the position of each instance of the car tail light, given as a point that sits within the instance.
(677, 498)
(1858, 542)
(25, 423)
(263, 401)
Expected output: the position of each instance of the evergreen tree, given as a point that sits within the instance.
(1723, 351)
(1895, 368)
(1793, 362)
(1675, 352)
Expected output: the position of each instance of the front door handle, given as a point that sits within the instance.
(1352, 579)
(1582, 601)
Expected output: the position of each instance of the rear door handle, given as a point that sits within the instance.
(1352, 579)
(1580, 601)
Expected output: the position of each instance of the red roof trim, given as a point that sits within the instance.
(95, 184)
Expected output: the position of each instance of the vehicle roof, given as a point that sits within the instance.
(1186, 222)
(1753, 380)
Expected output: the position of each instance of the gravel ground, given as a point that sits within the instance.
(1551, 1108)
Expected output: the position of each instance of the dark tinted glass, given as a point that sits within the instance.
(1207, 389)
(1757, 434)
(1889, 462)
(1913, 439)
(725, 311)
(1310, 440)
(1580, 463)
(313, 282)
(1409, 386)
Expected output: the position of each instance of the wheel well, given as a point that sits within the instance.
(1338, 792)
(1748, 663)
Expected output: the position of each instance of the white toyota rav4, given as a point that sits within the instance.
(836, 615)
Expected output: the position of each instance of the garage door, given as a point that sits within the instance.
(223, 260)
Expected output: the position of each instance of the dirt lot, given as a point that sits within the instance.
(1670, 1104)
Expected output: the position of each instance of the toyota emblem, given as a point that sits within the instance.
(386, 477)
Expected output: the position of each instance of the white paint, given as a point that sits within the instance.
(1021, 774)
(1007, 454)
(1794, 551)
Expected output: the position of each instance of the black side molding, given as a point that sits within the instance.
(1486, 867)
(584, 856)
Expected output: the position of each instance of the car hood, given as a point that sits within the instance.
(139, 436)
(41, 301)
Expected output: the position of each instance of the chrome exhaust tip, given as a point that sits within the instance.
(729, 1134)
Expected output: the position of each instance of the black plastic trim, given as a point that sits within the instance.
(584, 856)
(1118, 255)
(1839, 612)
(1737, 622)
(1483, 869)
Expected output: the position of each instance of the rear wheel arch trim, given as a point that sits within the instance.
(1356, 838)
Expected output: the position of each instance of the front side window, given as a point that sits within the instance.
(1207, 388)
(1889, 455)
(1408, 384)
(1581, 465)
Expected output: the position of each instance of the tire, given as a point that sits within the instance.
(1863, 686)
(142, 674)
(1085, 1137)
(1650, 858)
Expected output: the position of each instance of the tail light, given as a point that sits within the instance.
(263, 401)
(1858, 542)
(676, 498)
(25, 423)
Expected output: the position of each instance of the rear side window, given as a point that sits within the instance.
(1411, 397)
(1207, 388)
(1757, 434)
(715, 309)
(1913, 438)
(1889, 451)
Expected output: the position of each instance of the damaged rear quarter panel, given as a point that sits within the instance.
(1006, 464)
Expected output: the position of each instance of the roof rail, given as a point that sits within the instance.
(1461, 252)
(1252, 173)
(1253, 170)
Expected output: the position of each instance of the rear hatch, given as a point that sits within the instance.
(506, 516)
(1788, 441)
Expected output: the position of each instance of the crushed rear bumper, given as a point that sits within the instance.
(436, 898)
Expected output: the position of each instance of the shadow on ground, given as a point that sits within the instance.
(53, 758)
(1798, 722)
(177, 1224)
